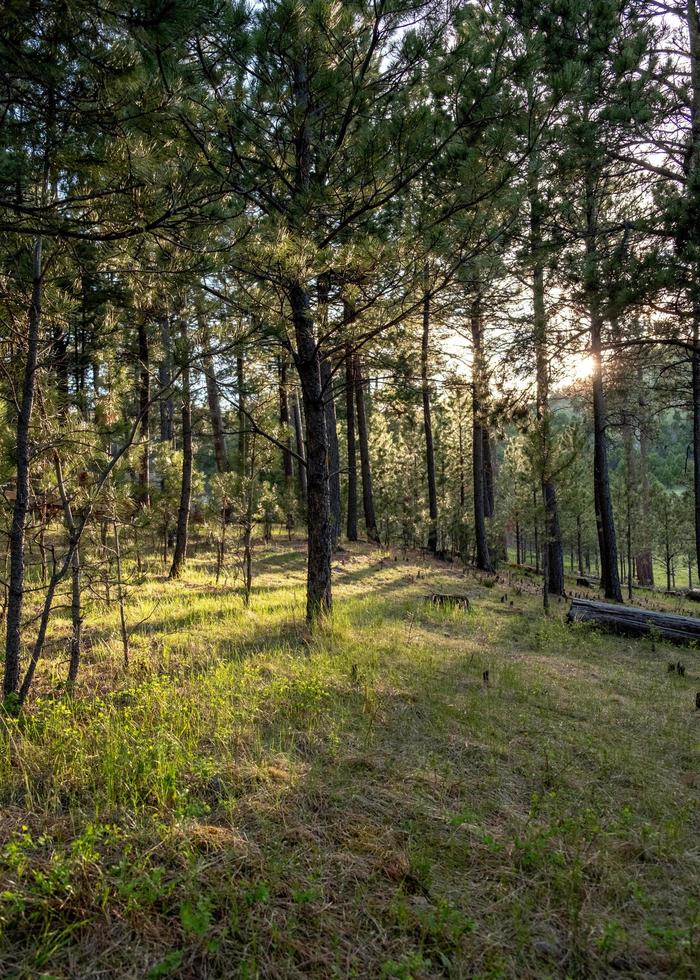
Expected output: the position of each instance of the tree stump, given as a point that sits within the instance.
(445, 599)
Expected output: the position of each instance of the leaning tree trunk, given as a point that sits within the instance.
(428, 427)
(144, 383)
(183, 517)
(365, 464)
(15, 595)
(333, 450)
(320, 544)
(483, 557)
(352, 450)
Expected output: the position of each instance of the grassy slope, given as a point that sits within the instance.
(244, 803)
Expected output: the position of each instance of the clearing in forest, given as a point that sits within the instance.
(249, 802)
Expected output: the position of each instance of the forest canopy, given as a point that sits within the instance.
(349, 489)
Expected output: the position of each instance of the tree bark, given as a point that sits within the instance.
(554, 559)
(604, 511)
(643, 561)
(323, 288)
(333, 450)
(76, 619)
(352, 449)
(15, 596)
(301, 452)
(610, 579)
(489, 485)
(183, 517)
(242, 421)
(165, 374)
(213, 400)
(696, 428)
(365, 463)
(483, 557)
(320, 546)
(287, 461)
(630, 481)
(428, 428)
(635, 621)
(693, 22)
(144, 382)
(462, 481)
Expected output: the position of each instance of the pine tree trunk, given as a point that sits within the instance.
(643, 560)
(144, 381)
(610, 579)
(693, 22)
(428, 427)
(696, 428)
(333, 450)
(301, 453)
(630, 480)
(462, 481)
(59, 358)
(287, 463)
(555, 551)
(536, 529)
(606, 524)
(483, 557)
(579, 552)
(554, 559)
(15, 596)
(489, 484)
(165, 377)
(213, 400)
(242, 421)
(352, 450)
(318, 516)
(183, 516)
(365, 464)
(76, 619)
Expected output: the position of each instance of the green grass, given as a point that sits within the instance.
(246, 801)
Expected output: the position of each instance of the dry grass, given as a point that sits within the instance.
(246, 802)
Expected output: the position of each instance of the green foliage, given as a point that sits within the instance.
(249, 792)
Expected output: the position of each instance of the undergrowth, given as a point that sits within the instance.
(250, 801)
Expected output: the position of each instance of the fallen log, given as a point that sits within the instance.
(634, 621)
(443, 599)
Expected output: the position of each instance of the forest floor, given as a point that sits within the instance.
(247, 802)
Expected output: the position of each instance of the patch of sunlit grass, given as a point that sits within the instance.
(248, 800)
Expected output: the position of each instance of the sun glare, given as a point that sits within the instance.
(576, 368)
